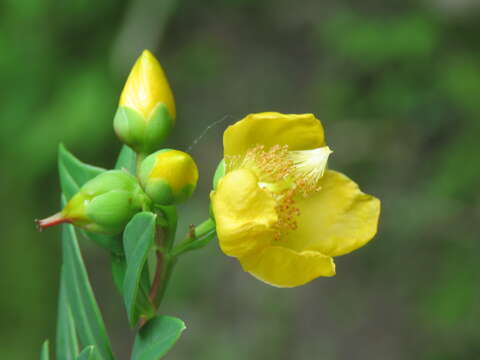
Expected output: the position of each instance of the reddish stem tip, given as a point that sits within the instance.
(50, 221)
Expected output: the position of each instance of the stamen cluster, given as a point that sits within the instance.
(285, 175)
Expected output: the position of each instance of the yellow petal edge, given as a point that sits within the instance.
(337, 220)
(282, 267)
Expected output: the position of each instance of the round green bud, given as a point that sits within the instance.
(168, 176)
(106, 203)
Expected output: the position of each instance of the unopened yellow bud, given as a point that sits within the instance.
(169, 176)
(147, 86)
(146, 112)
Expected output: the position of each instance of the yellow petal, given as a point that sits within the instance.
(244, 213)
(299, 132)
(336, 220)
(147, 86)
(282, 267)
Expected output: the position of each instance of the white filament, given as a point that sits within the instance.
(310, 164)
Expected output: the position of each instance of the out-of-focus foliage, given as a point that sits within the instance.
(396, 85)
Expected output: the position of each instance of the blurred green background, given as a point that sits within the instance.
(397, 86)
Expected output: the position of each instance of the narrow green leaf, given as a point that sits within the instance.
(67, 343)
(143, 304)
(73, 172)
(127, 160)
(86, 314)
(138, 239)
(119, 266)
(89, 353)
(157, 337)
(45, 353)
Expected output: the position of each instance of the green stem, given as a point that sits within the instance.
(138, 163)
(166, 257)
(204, 233)
(158, 278)
(165, 237)
(169, 263)
(169, 213)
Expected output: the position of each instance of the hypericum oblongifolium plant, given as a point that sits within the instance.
(275, 206)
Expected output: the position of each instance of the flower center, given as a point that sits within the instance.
(286, 175)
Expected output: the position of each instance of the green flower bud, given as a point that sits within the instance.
(168, 176)
(104, 204)
(146, 112)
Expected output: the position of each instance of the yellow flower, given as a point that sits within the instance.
(278, 209)
(147, 86)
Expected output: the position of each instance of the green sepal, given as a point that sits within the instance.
(219, 173)
(112, 210)
(210, 212)
(111, 179)
(157, 337)
(160, 192)
(184, 194)
(159, 126)
(143, 135)
(129, 125)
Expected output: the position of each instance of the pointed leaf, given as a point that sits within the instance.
(45, 353)
(119, 266)
(89, 353)
(67, 343)
(86, 314)
(127, 159)
(157, 337)
(138, 239)
(73, 174)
